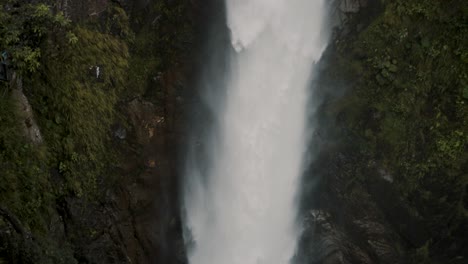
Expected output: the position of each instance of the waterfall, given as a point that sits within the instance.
(242, 209)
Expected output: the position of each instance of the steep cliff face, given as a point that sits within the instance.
(388, 183)
(104, 84)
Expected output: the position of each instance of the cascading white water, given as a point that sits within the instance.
(244, 211)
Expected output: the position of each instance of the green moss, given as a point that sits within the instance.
(24, 28)
(161, 44)
(74, 110)
(408, 103)
(145, 64)
(23, 168)
(77, 109)
(421, 255)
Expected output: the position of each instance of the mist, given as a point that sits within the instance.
(245, 163)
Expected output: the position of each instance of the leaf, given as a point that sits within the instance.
(425, 42)
(465, 92)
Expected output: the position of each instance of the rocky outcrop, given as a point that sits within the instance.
(136, 219)
(358, 206)
(78, 10)
(353, 213)
(347, 224)
(351, 16)
(25, 113)
(352, 6)
(133, 216)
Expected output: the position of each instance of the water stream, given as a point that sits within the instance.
(244, 211)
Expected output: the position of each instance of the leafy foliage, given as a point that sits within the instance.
(74, 76)
(76, 108)
(22, 168)
(24, 27)
(409, 104)
(159, 45)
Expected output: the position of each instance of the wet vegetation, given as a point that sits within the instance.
(406, 111)
(75, 75)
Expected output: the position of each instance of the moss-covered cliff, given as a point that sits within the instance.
(91, 119)
(393, 135)
(102, 80)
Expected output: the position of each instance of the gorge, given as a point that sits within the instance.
(234, 131)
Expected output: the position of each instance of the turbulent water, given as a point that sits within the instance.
(243, 211)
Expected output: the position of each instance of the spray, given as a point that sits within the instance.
(241, 209)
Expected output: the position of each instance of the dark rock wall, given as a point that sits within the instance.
(358, 206)
(139, 220)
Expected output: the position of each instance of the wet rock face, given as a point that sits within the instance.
(321, 242)
(136, 220)
(78, 10)
(148, 124)
(351, 16)
(30, 128)
(347, 225)
(352, 6)
(351, 212)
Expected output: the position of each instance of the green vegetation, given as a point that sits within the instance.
(76, 108)
(159, 45)
(409, 106)
(24, 167)
(25, 27)
(75, 105)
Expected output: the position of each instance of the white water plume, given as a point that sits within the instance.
(244, 210)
